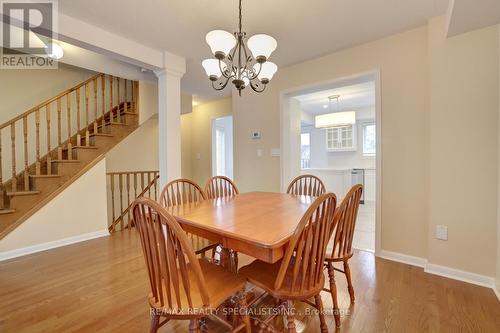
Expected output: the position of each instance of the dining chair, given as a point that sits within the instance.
(306, 185)
(181, 192)
(183, 287)
(299, 274)
(222, 187)
(345, 221)
(219, 187)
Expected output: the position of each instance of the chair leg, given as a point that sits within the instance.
(333, 291)
(194, 326)
(321, 313)
(234, 261)
(155, 321)
(347, 271)
(242, 304)
(290, 317)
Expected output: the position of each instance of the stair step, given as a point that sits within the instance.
(101, 134)
(81, 147)
(44, 176)
(65, 161)
(22, 193)
(7, 211)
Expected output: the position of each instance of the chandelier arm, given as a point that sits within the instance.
(256, 74)
(221, 86)
(256, 88)
(226, 75)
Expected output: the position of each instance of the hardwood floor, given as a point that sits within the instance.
(101, 286)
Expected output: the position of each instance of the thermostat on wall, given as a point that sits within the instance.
(256, 135)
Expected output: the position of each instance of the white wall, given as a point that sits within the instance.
(138, 151)
(77, 213)
(465, 100)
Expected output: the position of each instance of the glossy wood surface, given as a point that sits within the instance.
(101, 286)
(258, 224)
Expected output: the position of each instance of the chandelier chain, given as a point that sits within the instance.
(241, 17)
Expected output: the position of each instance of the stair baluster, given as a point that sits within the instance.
(120, 189)
(26, 170)
(112, 184)
(59, 130)
(111, 116)
(118, 99)
(49, 159)
(78, 117)
(128, 197)
(68, 110)
(13, 146)
(103, 89)
(95, 107)
(37, 134)
(87, 132)
(125, 95)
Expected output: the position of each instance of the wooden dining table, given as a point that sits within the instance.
(258, 224)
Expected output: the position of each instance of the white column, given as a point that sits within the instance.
(169, 120)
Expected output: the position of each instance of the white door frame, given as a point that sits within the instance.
(284, 137)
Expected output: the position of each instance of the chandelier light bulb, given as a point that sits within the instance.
(262, 46)
(212, 68)
(221, 43)
(246, 80)
(267, 71)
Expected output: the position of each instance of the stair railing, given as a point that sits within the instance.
(124, 188)
(58, 124)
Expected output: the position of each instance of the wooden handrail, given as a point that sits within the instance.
(126, 180)
(51, 100)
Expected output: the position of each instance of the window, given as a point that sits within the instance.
(341, 138)
(369, 139)
(305, 150)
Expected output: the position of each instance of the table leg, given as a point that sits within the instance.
(227, 258)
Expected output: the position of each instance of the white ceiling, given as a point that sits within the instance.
(352, 97)
(304, 29)
(467, 15)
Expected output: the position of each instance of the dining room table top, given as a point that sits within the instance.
(264, 219)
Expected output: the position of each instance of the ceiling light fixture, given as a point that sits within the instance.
(54, 51)
(335, 118)
(233, 62)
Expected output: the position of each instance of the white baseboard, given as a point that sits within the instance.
(456, 274)
(402, 258)
(444, 271)
(497, 292)
(51, 245)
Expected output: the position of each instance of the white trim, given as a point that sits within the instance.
(52, 245)
(284, 158)
(402, 258)
(444, 271)
(497, 292)
(456, 274)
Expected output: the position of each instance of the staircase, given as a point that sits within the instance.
(60, 140)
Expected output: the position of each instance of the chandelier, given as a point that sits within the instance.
(233, 62)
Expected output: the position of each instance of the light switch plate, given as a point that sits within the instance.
(275, 152)
(259, 152)
(442, 232)
(256, 135)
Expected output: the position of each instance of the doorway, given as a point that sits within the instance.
(331, 130)
(222, 147)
